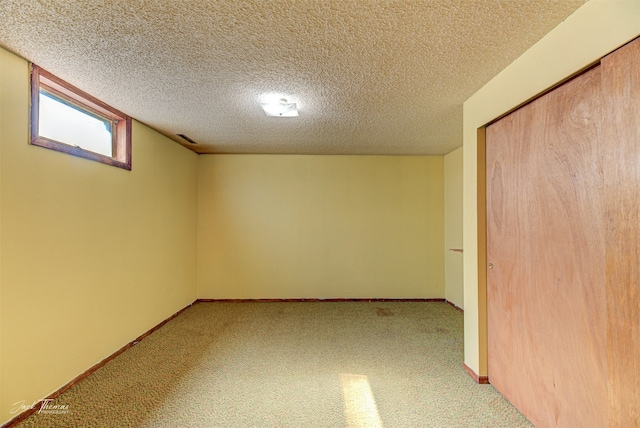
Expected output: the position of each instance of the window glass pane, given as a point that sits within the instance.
(67, 124)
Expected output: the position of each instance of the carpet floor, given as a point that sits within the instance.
(322, 364)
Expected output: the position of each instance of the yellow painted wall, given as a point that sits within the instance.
(92, 255)
(272, 226)
(3, 113)
(597, 28)
(454, 290)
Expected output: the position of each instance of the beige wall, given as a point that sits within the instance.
(3, 113)
(320, 226)
(454, 291)
(92, 255)
(594, 30)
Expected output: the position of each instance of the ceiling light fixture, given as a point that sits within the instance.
(280, 108)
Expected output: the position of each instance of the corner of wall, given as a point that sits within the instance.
(454, 290)
(98, 252)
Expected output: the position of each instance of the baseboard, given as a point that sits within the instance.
(456, 307)
(483, 380)
(24, 415)
(319, 300)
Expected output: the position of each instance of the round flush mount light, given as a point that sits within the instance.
(280, 108)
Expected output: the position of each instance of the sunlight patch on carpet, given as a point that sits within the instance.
(360, 408)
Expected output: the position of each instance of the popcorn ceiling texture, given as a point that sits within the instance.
(369, 76)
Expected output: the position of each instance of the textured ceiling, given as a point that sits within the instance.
(369, 76)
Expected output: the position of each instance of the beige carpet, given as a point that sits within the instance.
(391, 364)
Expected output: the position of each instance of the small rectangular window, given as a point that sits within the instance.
(68, 120)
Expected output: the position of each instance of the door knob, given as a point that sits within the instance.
(490, 265)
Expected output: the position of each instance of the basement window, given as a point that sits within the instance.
(68, 120)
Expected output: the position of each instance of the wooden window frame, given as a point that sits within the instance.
(120, 129)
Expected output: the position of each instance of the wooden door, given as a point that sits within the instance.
(563, 247)
(621, 114)
(546, 301)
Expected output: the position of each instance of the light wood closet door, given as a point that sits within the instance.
(621, 133)
(563, 244)
(546, 301)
